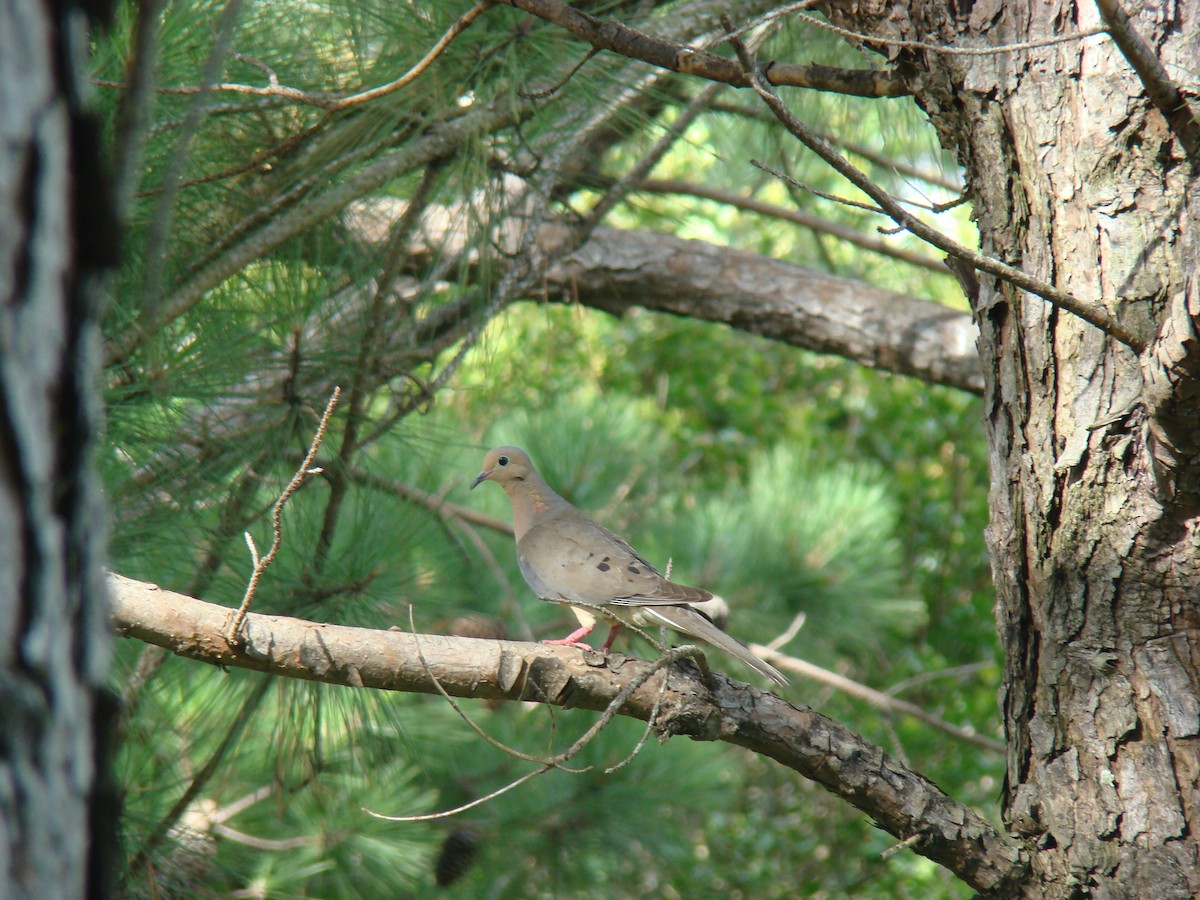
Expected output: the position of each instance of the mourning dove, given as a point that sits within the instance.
(566, 557)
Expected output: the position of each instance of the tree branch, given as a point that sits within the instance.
(903, 802)
(617, 269)
(692, 61)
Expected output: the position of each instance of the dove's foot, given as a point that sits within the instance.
(567, 642)
(573, 639)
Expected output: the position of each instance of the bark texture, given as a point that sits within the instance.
(1077, 178)
(53, 634)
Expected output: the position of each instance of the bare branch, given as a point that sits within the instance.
(687, 60)
(877, 699)
(458, 27)
(260, 565)
(902, 801)
(617, 269)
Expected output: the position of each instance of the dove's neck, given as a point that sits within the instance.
(531, 499)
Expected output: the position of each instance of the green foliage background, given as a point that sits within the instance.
(785, 481)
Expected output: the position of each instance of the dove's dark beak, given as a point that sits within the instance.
(481, 478)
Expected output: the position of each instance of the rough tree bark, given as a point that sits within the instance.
(53, 627)
(1080, 180)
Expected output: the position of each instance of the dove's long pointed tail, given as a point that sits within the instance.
(690, 622)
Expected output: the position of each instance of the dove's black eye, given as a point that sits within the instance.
(502, 461)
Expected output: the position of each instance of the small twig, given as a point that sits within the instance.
(646, 732)
(951, 51)
(260, 565)
(926, 677)
(554, 762)
(499, 745)
(458, 27)
(1091, 313)
(324, 101)
(788, 633)
(877, 699)
(478, 801)
(558, 85)
(905, 844)
(617, 191)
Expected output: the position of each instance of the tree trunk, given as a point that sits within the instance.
(53, 625)
(1078, 179)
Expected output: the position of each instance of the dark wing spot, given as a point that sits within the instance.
(603, 565)
(634, 569)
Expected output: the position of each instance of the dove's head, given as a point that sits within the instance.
(504, 465)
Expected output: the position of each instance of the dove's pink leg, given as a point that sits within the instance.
(612, 636)
(573, 639)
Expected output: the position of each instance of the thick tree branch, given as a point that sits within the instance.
(902, 801)
(618, 269)
(692, 61)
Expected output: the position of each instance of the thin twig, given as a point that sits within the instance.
(324, 101)
(877, 699)
(458, 27)
(905, 844)
(617, 191)
(1091, 313)
(554, 762)
(478, 801)
(499, 745)
(788, 633)
(799, 217)
(950, 51)
(260, 565)
(646, 732)
(546, 93)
